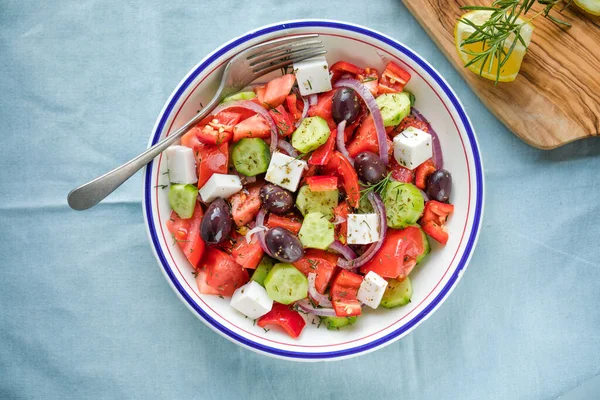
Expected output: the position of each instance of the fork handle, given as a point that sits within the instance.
(91, 193)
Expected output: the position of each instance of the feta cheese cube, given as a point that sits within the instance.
(363, 228)
(371, 290)
(220, 185)
(412, 147)
(181, 165)
(285, 171)
(251, 300)
(313, 75)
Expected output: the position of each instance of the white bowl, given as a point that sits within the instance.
(432, 282)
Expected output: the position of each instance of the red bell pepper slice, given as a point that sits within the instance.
(281, 315)
(434, 219)
(292, 224)
(322, 155)
(342, 67)
(422, 172)
(341, 167)
(344, 289)
(323, 108)
(322, 183)
(393, 79)
(282, 119)
(292, 105)
(186, 232)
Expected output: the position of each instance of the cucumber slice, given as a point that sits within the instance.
(334, 323)
(251, 156)
(397, 293)
(239, 96)
(182, 199)
(312, 133)
(285, 284)
(316, 231)
(426, 246)
(394, 107)
(262, 270)
(404, 204)
(324, 202)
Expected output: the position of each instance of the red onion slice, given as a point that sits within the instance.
(339, 220)
(305, 306)
(438, 157)
(379, 208)
(254, 230)
(260, 222)
(369, 100)
(322, 299)
(312, 100)
(342, 249)
(249, 105)
(304, 107)
(287, 148)
(341, 145)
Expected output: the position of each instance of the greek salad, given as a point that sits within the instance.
(315, 193)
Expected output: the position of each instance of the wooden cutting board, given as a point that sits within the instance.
(556, 97)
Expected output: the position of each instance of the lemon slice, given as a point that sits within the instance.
(591, 6)
(510, 69)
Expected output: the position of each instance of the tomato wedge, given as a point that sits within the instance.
(341, 167)
(246, 204)
(248, 255)
(400, 173)
(344, 289)
(292, 224)
(370, 79)
(397, 257)
(322, 183)
(282, 119)
(281, 315)
(322, 263)
(341, 212)
(292, 105)
(187, 234)
(253, 127)
(213, 135)
(210, 159)
(223, 273)
(277, 90)
(366, 139)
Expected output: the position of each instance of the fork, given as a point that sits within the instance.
(241, 70)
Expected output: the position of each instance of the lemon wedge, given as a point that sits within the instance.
(511, 67)
(591, 6)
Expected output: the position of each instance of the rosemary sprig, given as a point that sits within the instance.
(378, 187)
(496, 34)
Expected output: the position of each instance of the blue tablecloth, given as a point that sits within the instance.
(86, 313)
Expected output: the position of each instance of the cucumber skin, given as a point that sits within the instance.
(176, 187)
(247, 95)
(397, 293)
(400, 211)
(242, 160)
(308, 201)
(310, 135)
(311, 237)
(262, 270)
(426, 246)
(335, 323)
(394, 107)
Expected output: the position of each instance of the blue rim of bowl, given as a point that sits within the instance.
(478, 175)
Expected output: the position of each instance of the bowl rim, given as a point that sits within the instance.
(355, 350)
